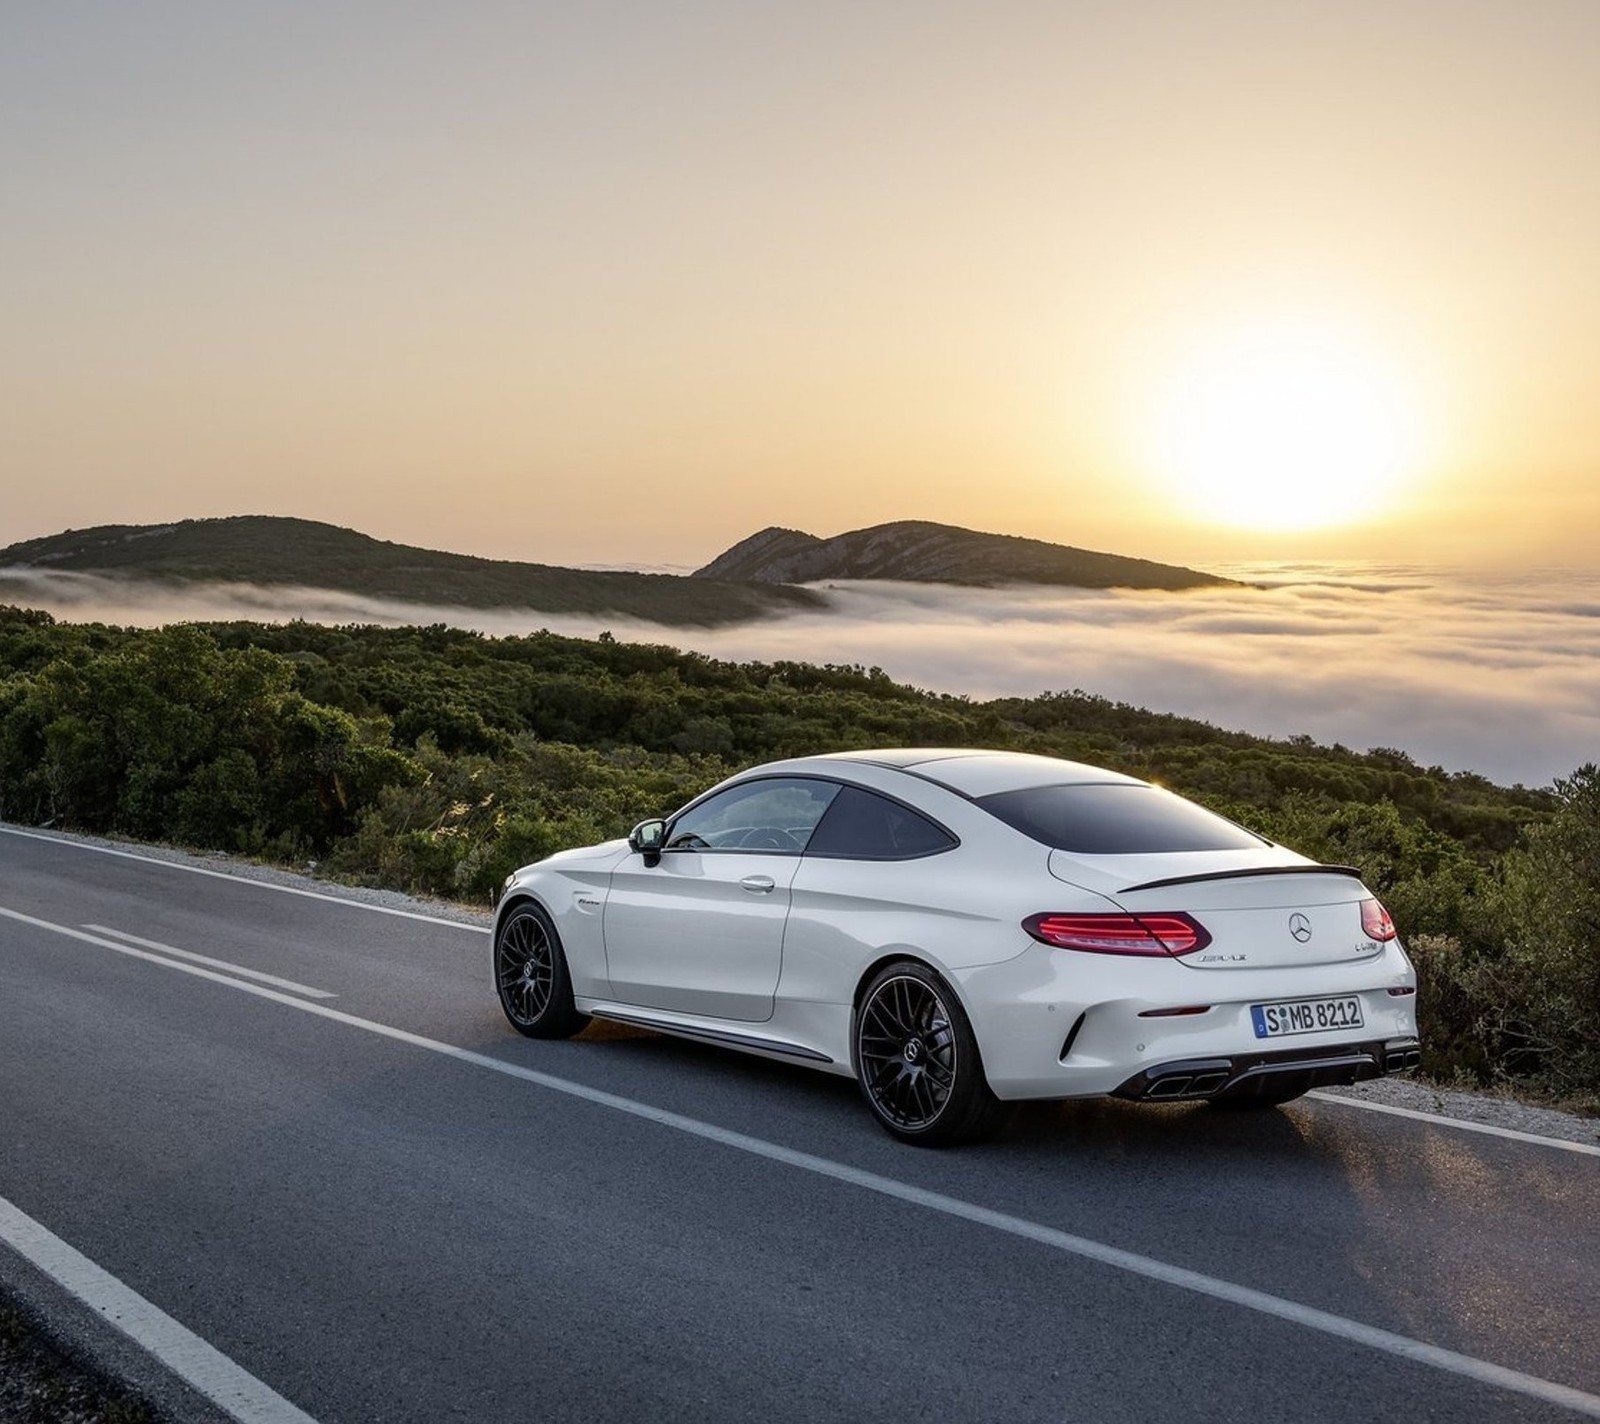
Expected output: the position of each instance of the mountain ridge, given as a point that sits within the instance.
(279, 550)
(921, 551)
(757, 578)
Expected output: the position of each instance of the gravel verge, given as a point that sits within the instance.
(39, 1385)
(1490, 1109)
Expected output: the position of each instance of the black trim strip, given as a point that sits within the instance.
(1357, 1059)
(715, 1035)
(1349, 870)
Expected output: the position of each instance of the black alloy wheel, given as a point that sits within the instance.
(917, 1060)
(530, 973)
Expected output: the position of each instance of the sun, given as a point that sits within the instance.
(1288, 426)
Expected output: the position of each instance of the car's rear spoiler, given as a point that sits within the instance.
(1241, 874)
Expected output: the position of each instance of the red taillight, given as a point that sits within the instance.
(1375, 921)
(1162, 934)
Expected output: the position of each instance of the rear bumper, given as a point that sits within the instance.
(1058, 1025)
(1247, 1075)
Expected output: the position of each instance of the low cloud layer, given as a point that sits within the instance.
(1499, 675)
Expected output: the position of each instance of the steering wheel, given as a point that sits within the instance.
(767, 838)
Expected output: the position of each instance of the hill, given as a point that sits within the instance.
(921, 552)
(262, 549)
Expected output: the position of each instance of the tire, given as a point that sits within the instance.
(531, 975)
(917, 1061)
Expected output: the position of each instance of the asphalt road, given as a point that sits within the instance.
(382, 1204)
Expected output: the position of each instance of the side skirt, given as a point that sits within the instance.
(713, 1035)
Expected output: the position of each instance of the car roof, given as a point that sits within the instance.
(975, 772)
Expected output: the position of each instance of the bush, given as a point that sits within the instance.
(1551, 929)
(437, 760)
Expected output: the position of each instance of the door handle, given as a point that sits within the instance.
(758, 884)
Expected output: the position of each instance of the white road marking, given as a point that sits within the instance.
(256, 974)
(229, 1386)
(1488, 1129)
(1212, 1287)
(242, 880)
(1557, 1142)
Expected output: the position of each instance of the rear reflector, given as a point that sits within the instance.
(1163, 935)
(1401, 993)
(1175, 1013)
(1375, 921)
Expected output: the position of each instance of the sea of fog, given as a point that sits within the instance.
(1495, 673)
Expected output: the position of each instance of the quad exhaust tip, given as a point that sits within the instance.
(1174, 1087)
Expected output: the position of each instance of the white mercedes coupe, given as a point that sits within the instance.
(960, 930)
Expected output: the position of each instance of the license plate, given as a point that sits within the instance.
(1305, 1016)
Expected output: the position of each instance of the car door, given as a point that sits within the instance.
(699, 928)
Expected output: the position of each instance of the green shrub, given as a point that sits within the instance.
(437, 760)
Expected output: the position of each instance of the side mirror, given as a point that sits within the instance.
(646, 839)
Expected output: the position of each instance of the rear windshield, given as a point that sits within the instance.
(1115, 819)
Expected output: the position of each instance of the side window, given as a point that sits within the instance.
(772, 815)
(863, 826)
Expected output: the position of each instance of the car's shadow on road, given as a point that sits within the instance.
(766, 1097)
(1111, 1128)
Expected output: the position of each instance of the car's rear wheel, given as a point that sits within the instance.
(530, 973)
(917, 1060)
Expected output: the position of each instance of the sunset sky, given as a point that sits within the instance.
(626, 281)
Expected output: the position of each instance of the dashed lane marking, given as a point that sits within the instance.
(223, 964)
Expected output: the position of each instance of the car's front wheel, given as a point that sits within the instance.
(917, 1060)
(530, 973)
